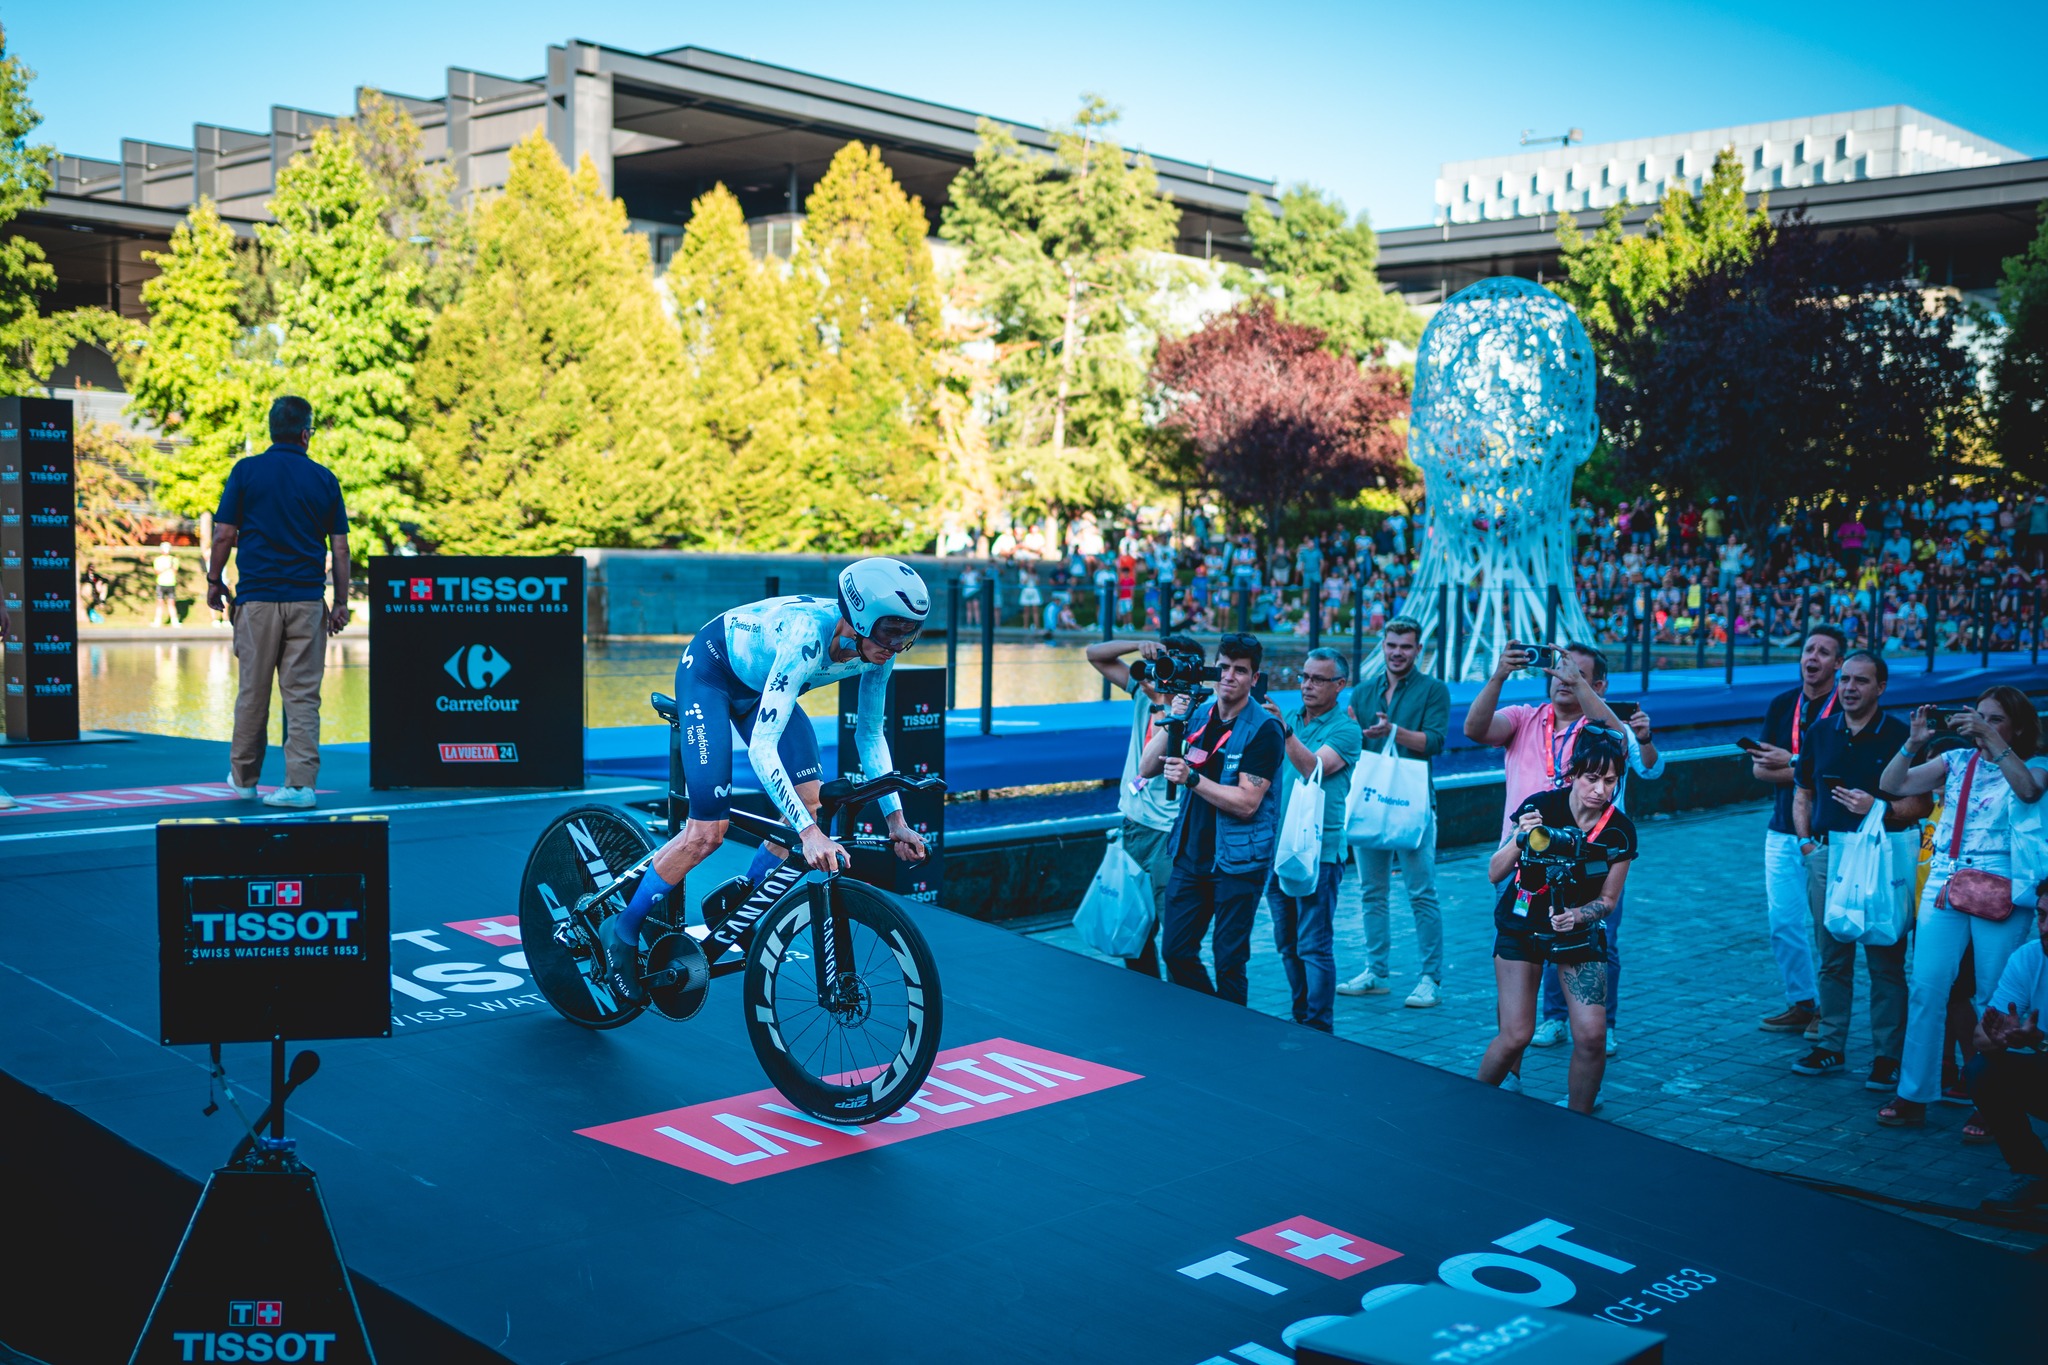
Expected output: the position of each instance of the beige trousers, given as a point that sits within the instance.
(288, 639)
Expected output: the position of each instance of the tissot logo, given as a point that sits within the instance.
(49, 476)
(480, 588)
(477, 666)
(49, 647)
(41, 560)
(49, 431)
(49, 518)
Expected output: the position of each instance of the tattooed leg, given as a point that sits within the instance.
(1585, 994)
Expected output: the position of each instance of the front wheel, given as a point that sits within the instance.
(863, 1054)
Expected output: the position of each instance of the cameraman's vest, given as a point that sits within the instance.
(1242, 846)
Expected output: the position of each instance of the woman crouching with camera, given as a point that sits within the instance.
(1560, 875)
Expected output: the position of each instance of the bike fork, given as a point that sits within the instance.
(824, 942)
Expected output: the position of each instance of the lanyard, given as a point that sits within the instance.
(1555, 749)
(1799, 705)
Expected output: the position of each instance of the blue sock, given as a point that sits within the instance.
(764, 862)
(627, 927)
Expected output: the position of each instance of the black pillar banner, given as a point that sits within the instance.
(916, 730)
(39, 567)
(476, 671)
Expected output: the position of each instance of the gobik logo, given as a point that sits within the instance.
(477, 666)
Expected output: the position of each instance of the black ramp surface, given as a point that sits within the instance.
(1251, 1176)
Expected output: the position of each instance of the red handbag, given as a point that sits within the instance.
(1969, 891)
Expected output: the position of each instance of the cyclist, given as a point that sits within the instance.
(745, 670)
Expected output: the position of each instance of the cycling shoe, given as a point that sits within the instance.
(623, 978)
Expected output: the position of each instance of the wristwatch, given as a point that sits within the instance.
(1194, 778)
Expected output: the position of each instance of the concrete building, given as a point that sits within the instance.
(1961, 202)
(1828, 149)
(661, 128)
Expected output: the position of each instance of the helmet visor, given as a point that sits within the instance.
(896, 633)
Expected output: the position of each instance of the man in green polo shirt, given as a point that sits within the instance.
(1415, 710)
(1320, 730)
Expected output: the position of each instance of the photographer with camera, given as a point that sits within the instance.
(1561, 873)
(1969, 877)
(1226, 826)
(1147, 814)
(1537, 740)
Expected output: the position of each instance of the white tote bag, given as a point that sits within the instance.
(2029, 822)
(1298, 857)
(1862, 899)
(1116, 913)
(1389, 802)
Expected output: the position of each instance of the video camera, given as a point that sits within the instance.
(1176, 671)
(1563, 850)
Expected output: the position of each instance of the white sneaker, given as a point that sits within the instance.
(297, 798)
(1612, 1046)
(7, 802)
(1549, 1033)
(1365, 983)
(1599, 1103)
(1511, 1083)
(1423, 996)
(241, 793)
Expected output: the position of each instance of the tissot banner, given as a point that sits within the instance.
(476, 671)
(916, 730)
(39, 567)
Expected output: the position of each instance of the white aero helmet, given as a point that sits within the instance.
(885, 601)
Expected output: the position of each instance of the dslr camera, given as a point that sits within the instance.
(1564, 851)
(1174, 671)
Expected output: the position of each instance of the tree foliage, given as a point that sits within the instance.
(1616, 280)
(547, 404)
(1275, 417)
(1066, 254)
(420, 214)
(183, 371)
(746, 349)
(1317, 267)
(32, 345)
(1815, 365)
(351, 329)
(2019, 375)
(875, 304)
(112, 506)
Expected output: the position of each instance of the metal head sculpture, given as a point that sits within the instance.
(1502, 415)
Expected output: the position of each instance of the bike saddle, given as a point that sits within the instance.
(664, 706)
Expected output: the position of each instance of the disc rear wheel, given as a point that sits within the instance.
(860, 1054)
(576, 860)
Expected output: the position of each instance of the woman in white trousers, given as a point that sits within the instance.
(1978, 786)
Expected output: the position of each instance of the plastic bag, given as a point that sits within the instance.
(1116, 914)
(1389, 802)
(1298, 857)
(1870, 883)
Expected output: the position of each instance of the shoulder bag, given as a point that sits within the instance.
(1969, 890)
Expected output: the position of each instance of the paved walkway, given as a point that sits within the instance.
(1693, 1067)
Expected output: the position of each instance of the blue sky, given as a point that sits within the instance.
(1365, 99)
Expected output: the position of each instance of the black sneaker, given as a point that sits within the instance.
(624, 977)
(1795, 1019)
(2021, 1194)
(1884, 1075)
(1820, 1062)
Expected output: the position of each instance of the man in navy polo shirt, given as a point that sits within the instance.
(282, 515)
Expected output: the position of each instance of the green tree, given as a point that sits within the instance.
(351, 328)
(871, 385)
(1318, 268)
(183, 371)
(547, 404)
(420, 212)
(746, 347)
(2019, 376)
(31, 343)
(1616, 280)
(1068, 256)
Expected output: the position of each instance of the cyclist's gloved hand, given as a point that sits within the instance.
(823, 852)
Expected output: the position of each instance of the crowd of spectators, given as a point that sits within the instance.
(1959, 572)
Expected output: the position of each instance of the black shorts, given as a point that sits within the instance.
(1567, 950)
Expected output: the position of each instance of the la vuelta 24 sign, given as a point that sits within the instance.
(476, 671)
